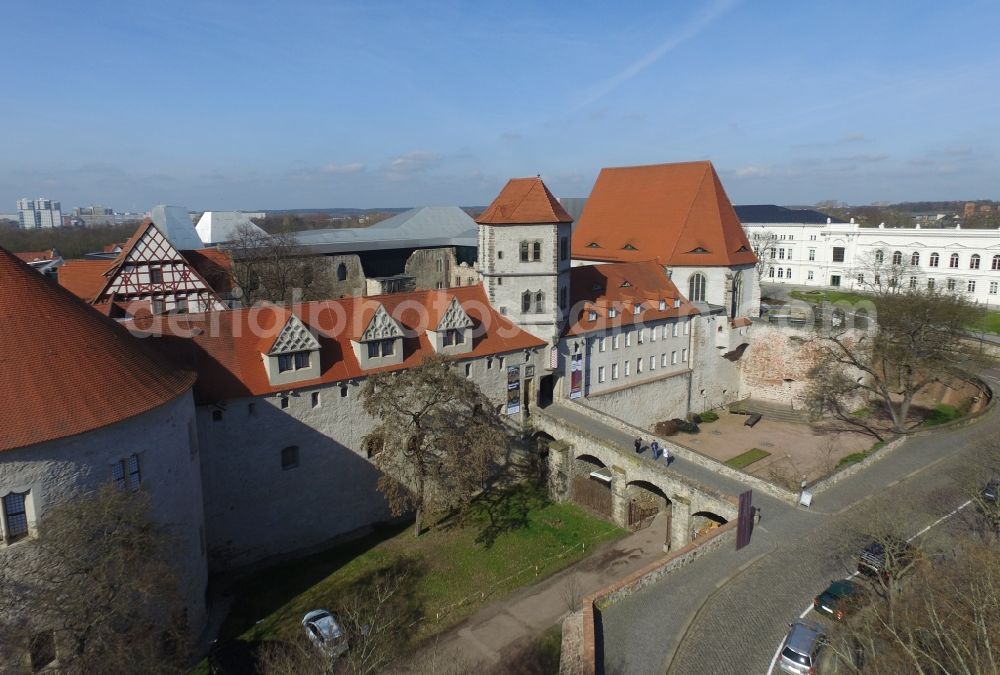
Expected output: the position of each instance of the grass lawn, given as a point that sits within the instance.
(827, 296)
(989, 324)
(511, 540)
(747, 458)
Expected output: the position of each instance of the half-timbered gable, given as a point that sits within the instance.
(151, 273)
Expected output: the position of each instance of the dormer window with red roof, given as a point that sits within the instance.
(663, 304)
(629, 247)
(593, 244)
(698, 250)
(637, 310)
(290, 356)
(591, 316)
(626, 284)
(612, 313)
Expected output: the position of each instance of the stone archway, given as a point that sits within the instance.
(647, 503)
(703, 522)
(590, 485)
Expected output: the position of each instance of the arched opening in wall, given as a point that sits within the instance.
(646, 501)
(737, 299)
(591, 487)
(696, 287)
(341, 272)
(704, 522)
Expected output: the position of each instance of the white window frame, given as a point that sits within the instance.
(600, 374)
(673, 358)
(614, 371)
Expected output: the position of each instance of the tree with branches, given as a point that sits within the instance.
(883, 272)
(274, 268)
(95, 588)
(438, 439)
(918, 338)
(764, 242)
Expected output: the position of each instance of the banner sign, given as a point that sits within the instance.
(576, 376)
(513, 390)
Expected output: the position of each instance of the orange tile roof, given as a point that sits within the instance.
(64, 368)
(524, 201)
(225, 347)
(214, 265)
(84, 278)
(38, 256)
(598, 288)
(678, 213)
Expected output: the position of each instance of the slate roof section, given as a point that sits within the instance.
(678, 213)
(225, 347)
(419, 227)
(524, 201)
(174, 222)
(598, 288)
(217, 227)
(95, 373)
(771, 214)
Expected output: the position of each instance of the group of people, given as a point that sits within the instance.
(655, 448)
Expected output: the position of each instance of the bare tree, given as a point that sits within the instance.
(918, 340)
(764, 242)
(96, 588)
(883, 272)
(274, 267)
(438, 439)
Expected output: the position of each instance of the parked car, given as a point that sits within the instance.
(879, 558)
(840, 598)
(324, 631)
(801, 648)
(989, 492)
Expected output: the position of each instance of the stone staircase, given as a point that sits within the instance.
(770, 410)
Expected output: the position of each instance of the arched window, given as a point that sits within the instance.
(915, 258)
(539, 302)
(737, 300)
(879, 256)
(996, 262)
(897, 257)
(934, 259)
(696, 287)
(770, 272)
(526, 302)
(781, 273)
(974, 262)
(536, 251)
(341, 272)
(953, 261)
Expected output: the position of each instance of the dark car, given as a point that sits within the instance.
(881, 557)
(989, 492)
(840, 598)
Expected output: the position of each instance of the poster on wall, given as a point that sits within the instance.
(576, 376)
(513, 390)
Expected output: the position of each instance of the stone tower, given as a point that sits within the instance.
(524, 256)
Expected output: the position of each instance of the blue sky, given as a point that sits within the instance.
(257, 105)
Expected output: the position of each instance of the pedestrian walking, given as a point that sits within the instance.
(655, 448)
(666, 455)
(756, 516)
(638, 444)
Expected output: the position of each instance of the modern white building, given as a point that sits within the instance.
(811, 249)
(219, 227)
(37, 213)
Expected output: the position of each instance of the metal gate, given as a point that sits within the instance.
(641, 514)
(593, 494)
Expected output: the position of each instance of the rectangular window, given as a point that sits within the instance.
(536, 251)
(665, 330)
(687, 327)
(155, 275)
(289, 457)
(838, 254)
(372, 350)
(343, 391)
(663, 305)
(600, 374)
(809, 274)
(301, 360)
(913, 282)
(684, 355)
(628, 368)
(388, 346)
(673, 330)
(15, 517)
(993, 288)
(971, 286)
(284, 403)
(602, 344)
(125, 473)
(773, 253)
(612, 313)
(524, 251)
(628, 340)
(489, 362)
(673, 358)
(812, 254)
(781, 254)
(615, 341)
(563, 248)
(663, 359)
(591, 316)
(652, 334)
(638, 366)
(642, 335)
(562, 298)
(314, 399)
(652, 363)
(614, 371)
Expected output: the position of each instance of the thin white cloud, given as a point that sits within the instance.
(353, 167)
(690, 29)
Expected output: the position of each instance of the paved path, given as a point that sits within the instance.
(727, 612)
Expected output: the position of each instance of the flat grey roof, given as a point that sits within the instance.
(422, 227)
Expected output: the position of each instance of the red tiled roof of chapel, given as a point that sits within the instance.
(678, 213)
(524, 201)
(84, 278)
(64, 368)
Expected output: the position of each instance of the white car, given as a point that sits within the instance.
(325, 632)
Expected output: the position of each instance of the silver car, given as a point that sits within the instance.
(801, 648)
(325, 632)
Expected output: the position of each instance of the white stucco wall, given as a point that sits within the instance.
(169, 473)
(255, 509)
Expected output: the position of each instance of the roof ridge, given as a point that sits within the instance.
(687, 216)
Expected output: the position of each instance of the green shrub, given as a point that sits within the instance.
(852, 458)
(941, 414)
(862, 412)
(709, 416)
